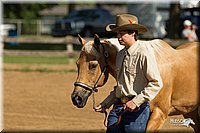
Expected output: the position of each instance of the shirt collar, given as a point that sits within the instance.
(132, 48)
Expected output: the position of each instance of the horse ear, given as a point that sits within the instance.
(81, 40)
(96, 41)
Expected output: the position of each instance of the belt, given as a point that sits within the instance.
(125, 99)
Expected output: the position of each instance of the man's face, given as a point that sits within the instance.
(125, 38)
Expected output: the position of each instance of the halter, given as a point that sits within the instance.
(94, 89)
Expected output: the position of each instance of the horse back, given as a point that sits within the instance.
(185, 97)
(179, 72)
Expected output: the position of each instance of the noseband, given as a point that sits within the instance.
(93, 89)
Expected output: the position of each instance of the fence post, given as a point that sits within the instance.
(69, 45)
(39, 26)
(19, 27)
(69, 48)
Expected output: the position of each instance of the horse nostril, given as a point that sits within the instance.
(74, 100)
(78, 100)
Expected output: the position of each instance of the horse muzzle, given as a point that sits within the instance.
(79, 98)
(78, 101)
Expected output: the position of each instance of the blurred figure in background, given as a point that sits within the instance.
(189, 31)
(193, 29)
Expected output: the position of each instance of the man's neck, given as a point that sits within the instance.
(129, 45)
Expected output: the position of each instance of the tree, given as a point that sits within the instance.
(174, 21)
(23, 11)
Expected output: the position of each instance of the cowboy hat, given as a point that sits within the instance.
(126, 22)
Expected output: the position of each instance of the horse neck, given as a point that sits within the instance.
(112, 68)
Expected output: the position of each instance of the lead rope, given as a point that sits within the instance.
(94, 105)
(95, 90)
(105, 118)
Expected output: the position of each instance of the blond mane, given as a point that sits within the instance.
(89, 48)
(115, 43)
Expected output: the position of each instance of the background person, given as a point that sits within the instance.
(194, 35)
(189, 31)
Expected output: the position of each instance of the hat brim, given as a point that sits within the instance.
(138, 27)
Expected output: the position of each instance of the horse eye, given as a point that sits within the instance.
(93, 65)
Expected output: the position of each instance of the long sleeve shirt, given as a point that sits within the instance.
(137, 74)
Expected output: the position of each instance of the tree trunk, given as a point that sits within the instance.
(174, 21)
(71, 7)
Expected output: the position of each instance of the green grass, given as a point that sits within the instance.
(50, 60)
(41, 70)
(37, 59)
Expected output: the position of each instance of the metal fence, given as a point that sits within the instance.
(31, 27)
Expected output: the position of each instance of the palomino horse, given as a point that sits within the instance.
(178, 69)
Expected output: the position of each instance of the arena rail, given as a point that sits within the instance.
(68, 40)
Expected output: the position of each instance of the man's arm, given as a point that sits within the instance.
(152, 74)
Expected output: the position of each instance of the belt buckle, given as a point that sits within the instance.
(124, 99)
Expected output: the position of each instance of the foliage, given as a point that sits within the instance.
(23, 11)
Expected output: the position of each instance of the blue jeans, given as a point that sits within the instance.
(130, 121)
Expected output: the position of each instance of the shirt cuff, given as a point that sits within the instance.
(138, 100)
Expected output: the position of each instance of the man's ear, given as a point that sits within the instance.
(81, 40)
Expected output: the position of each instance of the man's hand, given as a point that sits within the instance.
(130, 106)
(100, 109)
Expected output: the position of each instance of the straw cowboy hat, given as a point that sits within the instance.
(126, 22)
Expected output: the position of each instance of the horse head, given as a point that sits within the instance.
(96, 61)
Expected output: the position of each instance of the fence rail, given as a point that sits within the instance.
(45, 40)
(69, 41)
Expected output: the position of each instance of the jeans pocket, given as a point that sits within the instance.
(115, 114)
(137, 121)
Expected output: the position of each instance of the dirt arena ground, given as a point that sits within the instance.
(41, 101)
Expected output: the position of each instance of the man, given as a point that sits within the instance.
(194, 35)
(138, 79)
(189, 31)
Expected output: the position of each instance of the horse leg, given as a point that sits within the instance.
(196, 118)
(156, 120)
